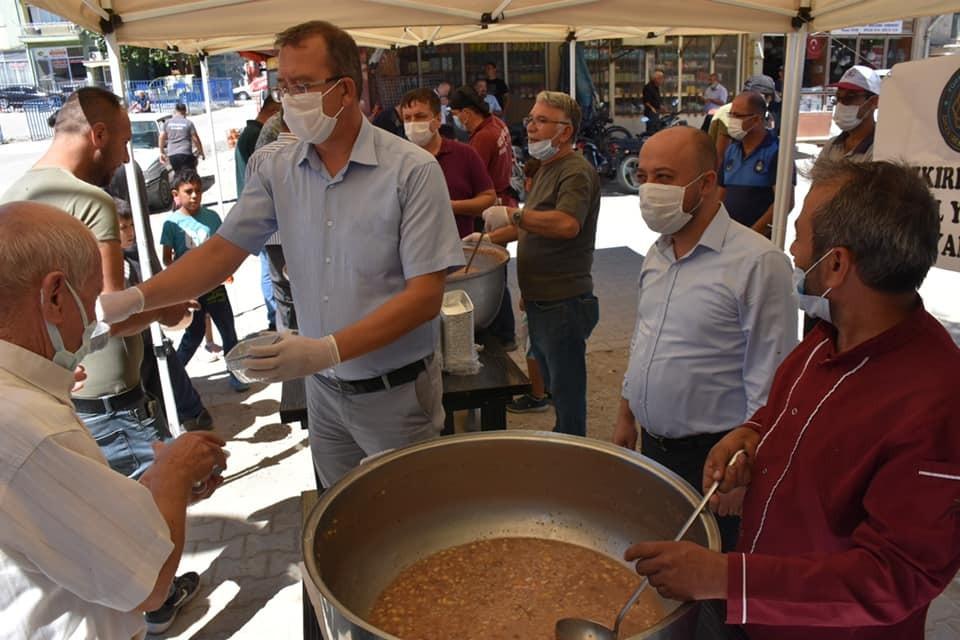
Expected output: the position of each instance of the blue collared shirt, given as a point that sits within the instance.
(352, 240)
(712, 328)
(749, 180)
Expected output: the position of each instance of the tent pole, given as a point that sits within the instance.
(419, 65)
(205, 75)
(140, 222)
(573, 66)
(792, 79)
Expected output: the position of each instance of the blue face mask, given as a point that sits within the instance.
(95, 337)
(814, 306)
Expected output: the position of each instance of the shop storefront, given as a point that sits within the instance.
(620, 68)
(522, 65)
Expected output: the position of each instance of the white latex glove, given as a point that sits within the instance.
(473, 237)
(292, 356)
(119, 305)
(495, 217)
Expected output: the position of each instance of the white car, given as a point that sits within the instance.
(146, 128)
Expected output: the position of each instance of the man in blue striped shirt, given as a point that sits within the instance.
(716, 314)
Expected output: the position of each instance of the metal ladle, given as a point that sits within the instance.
(583, 629)
(473, 255)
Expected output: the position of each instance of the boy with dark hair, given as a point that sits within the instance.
(185, 229)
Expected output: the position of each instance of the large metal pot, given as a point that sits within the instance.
(408, 504)
(485, 282)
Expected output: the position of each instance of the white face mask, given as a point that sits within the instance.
(661, 206)
(458, 123)
(95, 337)
(814, 306)
(542, 150)
(735, 129)
(419, 133)
(304, 115)
(847, 116)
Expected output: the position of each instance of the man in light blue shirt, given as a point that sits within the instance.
(716, 316)
(365, 221)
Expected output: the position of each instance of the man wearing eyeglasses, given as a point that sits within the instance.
(858, 94)
(365, 221)
(556, 230)
(748, 173)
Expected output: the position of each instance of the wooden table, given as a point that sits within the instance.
(490, 390)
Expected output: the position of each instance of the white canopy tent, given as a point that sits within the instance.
(217, 26)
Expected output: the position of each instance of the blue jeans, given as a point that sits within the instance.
(126, 437)
(217, 304)
(266, 287)
(558, 336)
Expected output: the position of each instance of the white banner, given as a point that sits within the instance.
(919, 124)
(892, 28)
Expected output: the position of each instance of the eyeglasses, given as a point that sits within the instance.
(540, 121)
(299, 88)
(744, 116)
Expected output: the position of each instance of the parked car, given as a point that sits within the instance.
(13, 96)
(146, 128)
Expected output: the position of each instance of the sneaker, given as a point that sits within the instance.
(185, 587)
(528, 404)
(237, 385)
(203, 422)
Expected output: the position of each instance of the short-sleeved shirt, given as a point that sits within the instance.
(353, 239)
(651, 96)
(750, 180)
(465, 175)
(551, 268)
(493, 103)
(184, 232)
(180, 132)
(498, 88)
(834, 149)
(115, 368)
(717, 95)
(80, 545)
(492, 141)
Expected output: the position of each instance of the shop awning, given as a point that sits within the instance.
(226, 25)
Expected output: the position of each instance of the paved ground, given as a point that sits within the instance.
(245, 540)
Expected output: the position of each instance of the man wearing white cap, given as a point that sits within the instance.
(858, 93)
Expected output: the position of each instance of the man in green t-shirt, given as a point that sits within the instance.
(90, 141)
(556, 229)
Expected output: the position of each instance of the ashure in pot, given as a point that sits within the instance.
(409, 504)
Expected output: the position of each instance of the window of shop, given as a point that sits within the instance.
(15, 68)
(695, 71)
(59, 66)
(479, 54)
(526, 75)
(725, 55)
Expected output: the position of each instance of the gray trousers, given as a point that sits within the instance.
(344, 428)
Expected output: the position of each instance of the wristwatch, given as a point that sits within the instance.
(516, 217)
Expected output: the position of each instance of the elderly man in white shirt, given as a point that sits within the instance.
(716, 314)
(84, 550)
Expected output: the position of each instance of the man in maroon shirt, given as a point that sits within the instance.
(491, 139)
(470, 187)
(851, 519)
(489, 136)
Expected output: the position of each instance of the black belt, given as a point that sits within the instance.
(701, 440)
(108, 404)
(395, 378)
